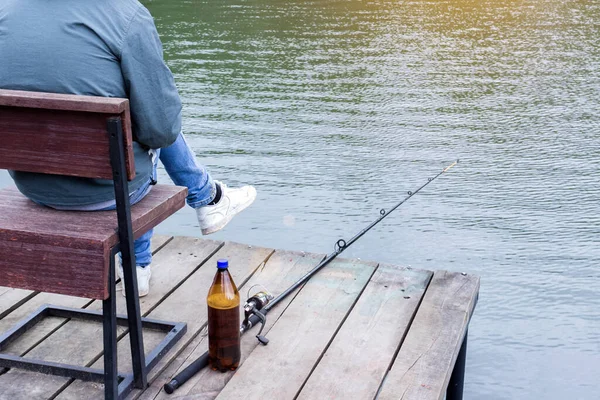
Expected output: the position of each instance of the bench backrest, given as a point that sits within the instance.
(61, 134)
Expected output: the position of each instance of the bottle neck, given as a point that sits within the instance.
(223, 293)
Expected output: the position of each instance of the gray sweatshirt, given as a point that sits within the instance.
(104, 48)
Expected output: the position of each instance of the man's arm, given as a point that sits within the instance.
(154, 101)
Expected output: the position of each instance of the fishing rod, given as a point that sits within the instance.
(257, 306)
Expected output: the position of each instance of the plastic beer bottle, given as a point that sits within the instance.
(223, 321)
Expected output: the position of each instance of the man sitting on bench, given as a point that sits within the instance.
(109, 48)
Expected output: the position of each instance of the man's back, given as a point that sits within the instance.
(64, 46)
(90, 47)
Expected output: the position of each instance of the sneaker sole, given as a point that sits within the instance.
(221, 225)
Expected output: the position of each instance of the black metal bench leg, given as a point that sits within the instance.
(109, 315)
(136, 339)
(457, 379)
(117, 159)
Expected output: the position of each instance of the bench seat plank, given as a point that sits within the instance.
(68, 252)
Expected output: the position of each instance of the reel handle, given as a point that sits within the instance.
(263, 320)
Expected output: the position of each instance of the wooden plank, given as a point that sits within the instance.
(57, 101)
(68, 252)
(21, 214)
(48, 325)
(11, 299)
(53, 119)
(72, 143)
(364, 348)
(159, 241)
(244, 261)
(80, 343)
(43, 328)
(301, 335)
(424, 364)
(282, 270)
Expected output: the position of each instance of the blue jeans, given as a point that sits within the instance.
(180, 163)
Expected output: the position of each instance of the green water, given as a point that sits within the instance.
(334, 109)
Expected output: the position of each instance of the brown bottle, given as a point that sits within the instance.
(223, 321)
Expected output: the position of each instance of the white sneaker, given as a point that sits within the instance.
(143, 279)
(215, 217)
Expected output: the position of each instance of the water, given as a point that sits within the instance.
(334, 109)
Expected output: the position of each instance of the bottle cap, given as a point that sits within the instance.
(222, 264)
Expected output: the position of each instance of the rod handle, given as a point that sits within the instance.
(186, 374)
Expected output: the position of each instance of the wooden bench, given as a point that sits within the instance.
(73, 253)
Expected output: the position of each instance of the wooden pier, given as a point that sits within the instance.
(356, 330)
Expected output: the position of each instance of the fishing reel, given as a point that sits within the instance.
(253, 314)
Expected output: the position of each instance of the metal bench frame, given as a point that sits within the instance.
(119, 385)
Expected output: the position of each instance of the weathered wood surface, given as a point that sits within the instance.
(282, 270)
(21, 214)
(302, 333)
(244, 261)
(424, 364)
(61, 134)
(65, 102)
(364, 348)
(11, 299)
(174, 264)
(68, 252)
(336, 337)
